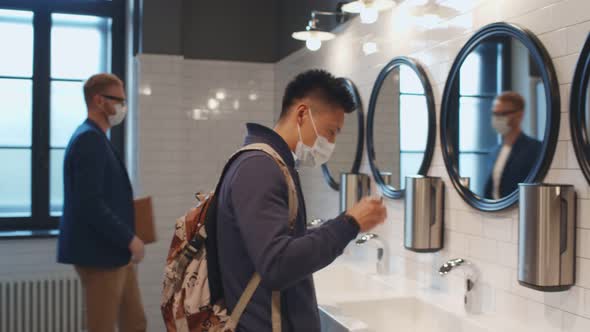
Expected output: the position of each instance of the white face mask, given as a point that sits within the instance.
(316, 155)
(119, 116)
(501, 125)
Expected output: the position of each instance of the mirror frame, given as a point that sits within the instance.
(578, 99)
(360, 142)
(552, 97)
(388, 190)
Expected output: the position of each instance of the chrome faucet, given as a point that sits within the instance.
(382, 251)
(472, 302)
(450, 265)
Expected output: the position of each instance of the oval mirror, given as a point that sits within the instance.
(580, 110)
(348, 152)
(500, 116)
(400, 126)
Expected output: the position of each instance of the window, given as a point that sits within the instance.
(54, 47)
(80, 47)
(16, 77)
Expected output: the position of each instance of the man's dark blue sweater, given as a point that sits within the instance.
(253, 235)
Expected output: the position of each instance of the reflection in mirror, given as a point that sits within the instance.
(400, 126)
(502, 116)
(580, 110)
(348, 152)
(345, 151)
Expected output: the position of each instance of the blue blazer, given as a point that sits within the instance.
(97, 224)
(522, 158)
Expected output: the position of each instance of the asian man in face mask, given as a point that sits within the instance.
(253, 232)
(97, 232)
(511, 161)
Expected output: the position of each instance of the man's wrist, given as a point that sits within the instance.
(352, 220)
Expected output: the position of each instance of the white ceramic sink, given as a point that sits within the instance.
(406, 314)
(351, 300)
(338, 282)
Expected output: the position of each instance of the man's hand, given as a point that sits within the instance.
(368, 213)
(137, 250)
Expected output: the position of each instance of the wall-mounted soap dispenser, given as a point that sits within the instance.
(353, 187)
(547, 237)
(424, 213)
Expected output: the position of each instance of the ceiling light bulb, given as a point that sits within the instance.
(213, 104)
(253, 96)
(220, 95)
(313, 44)
(369, 15)
(369, 48)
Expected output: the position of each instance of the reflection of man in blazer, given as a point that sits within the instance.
(510, 162)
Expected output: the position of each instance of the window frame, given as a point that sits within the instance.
(40, 222)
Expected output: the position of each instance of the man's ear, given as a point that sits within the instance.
(97, 100)
(300, 111)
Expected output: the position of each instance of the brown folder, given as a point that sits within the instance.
(144, 220)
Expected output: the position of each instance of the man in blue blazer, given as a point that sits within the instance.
(97, 232)
(511, 161)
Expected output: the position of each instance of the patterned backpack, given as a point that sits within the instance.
(192, 296)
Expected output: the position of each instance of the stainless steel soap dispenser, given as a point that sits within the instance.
(547, 236)
(353, 187)
(424, 214)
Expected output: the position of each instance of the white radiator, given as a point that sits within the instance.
(51, 304)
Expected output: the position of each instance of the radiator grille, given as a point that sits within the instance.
(51, 304)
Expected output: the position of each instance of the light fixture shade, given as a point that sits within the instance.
(313, 34)
(355, 7)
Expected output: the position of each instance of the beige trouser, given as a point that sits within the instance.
(112, 298)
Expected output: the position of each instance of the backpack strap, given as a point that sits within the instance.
(255, 280)
(293, 201)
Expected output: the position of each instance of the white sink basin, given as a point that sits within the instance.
(351, 300)
(396, 314)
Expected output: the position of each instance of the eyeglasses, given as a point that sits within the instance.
(506, 113)
(119, 99)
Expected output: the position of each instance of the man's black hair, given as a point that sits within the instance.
(322, 84)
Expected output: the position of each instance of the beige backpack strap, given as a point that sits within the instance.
(243, 302)
(255, 281)
(276, 311)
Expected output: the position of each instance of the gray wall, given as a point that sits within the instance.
(237, 30)
(230, 30)
(161, 25)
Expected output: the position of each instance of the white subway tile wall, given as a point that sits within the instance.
(487, 239)
(191, 123)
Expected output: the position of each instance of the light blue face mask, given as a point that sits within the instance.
(316, 155)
